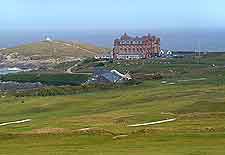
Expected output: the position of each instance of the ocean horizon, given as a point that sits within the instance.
(187, 40)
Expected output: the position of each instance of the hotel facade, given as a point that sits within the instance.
(127, 47)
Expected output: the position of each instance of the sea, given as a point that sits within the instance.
(4, 71)
(172, 39)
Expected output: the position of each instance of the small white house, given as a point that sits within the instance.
(169, 53)
(161, 53)
(129, 56)
(104, 56)
(48, 39)
(165, 53)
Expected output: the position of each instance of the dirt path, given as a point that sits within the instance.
(16, 122)
(200, 79)
(180, 81)
(86, 50)
(69, 70)
(78, 47)
(153, 123)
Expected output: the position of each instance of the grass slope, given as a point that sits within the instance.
(56, 49)
(199, 107)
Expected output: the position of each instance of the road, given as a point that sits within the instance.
(69, 70)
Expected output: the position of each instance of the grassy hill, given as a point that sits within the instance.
(59, 123)
(56, 121)
(56, 49)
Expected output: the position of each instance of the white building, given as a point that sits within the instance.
(48, 39)
(129, 56)
(165, 53)
(104, 56)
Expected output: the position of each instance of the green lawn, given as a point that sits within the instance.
(160, 144)
(199, 107)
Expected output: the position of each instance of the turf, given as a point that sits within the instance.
(199, 107)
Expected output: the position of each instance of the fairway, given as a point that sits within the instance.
(107, 77)
(186, 117)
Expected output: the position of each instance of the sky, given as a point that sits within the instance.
(111, 14)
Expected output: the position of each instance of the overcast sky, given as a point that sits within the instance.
(111, 14)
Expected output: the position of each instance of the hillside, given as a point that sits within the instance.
(56, 49)
(88, 123)
(97, 121)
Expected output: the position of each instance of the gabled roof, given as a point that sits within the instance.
(112, 76)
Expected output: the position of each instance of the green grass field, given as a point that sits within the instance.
(199, 107)
(56, 49)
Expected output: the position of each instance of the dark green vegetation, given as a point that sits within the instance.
(56, 79)
(199, 107)
(70, 90)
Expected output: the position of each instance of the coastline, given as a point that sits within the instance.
(11, 70)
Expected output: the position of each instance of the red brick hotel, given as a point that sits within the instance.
(128, 47)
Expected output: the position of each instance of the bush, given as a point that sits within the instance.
(101, 64)
(56, 79)
(71, 90)
(153, 76)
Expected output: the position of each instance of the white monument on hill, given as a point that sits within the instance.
(48, 39)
